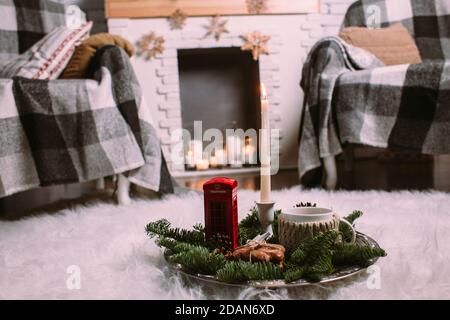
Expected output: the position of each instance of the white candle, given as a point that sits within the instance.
(213, 162)
(264, 141)
(250, 157)
(194, 153)
(234, 151)
(190, 161)
(202, 165)
(221, 156)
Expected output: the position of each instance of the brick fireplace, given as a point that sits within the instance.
(291, 37)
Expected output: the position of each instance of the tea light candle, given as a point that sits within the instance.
(234, 151)
(220, 154)
(203, 164)
(249, 152)
(213, 162)
(190, 161)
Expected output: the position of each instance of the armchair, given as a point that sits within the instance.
(69, 131)
(353, 100)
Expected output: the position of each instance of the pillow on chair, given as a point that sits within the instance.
(79, 64)
(47, 58)
(393, 45)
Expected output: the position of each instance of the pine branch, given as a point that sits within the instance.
(249, 227)
(161, 228)
(354, 254)
(312, 259)
(345, 229)
(240, 271)
(310, 251)
(197, 259)
(294, 274)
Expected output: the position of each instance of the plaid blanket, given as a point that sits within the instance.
(329, 59)
(24, 22)
(404, 106)
(67, 131)
(428, 21)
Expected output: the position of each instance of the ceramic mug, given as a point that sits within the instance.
(314, 215)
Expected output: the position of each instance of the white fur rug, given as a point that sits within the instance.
(118, 261)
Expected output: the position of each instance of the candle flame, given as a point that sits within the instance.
(263, 92)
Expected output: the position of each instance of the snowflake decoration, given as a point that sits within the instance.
(256, 43)
(150, 45)
(177, 20)
(216, 28)
(256, 6)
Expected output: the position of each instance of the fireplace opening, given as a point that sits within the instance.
(220, 87)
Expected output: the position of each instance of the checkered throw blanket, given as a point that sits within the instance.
(349, 100)
(24, 22)
(67, 131)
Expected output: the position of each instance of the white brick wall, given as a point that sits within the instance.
(325, 23)
(291, 39)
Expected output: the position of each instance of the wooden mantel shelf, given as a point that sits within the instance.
(164, 8)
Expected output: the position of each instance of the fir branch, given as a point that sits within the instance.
(249, 227)
(317, 247)
(162, 228)
(197, 259)
(240, 271)
(345, 229)
(167, 243)
(293, 274)
(313, 259)
(348, 254)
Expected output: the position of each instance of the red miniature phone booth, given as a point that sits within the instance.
(221, 210)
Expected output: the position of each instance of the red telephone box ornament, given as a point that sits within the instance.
(221, 210)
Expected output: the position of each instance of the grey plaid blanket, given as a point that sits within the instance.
(329, 59)
(349, 100)
(66, 131)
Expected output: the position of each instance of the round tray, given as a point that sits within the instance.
(338, 275)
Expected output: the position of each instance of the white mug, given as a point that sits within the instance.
(313, 214)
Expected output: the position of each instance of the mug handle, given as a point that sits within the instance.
(351, 227)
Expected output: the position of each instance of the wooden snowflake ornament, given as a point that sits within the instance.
(177, 20)
(255, 42)
(216, 27)
(256, 6)
(150, 45)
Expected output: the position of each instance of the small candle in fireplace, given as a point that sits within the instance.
(234, 151)
(202, 164)
(190, 161)
(249, 152)
(213, 162)
(221, 156)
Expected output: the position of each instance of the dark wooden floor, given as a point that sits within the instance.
(367, 174)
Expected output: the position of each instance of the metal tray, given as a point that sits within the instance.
(338, 275)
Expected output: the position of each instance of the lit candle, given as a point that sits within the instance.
(221, 156)
(249, 152)
(234, 151)
(213, 162)
(202, 164)
(190, 162)
(264, 141)
(193, 154)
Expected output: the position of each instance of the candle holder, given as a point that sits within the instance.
(266, 215)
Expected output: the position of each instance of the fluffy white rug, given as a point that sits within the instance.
(118, 261)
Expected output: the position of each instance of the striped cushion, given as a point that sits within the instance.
(48, 58)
